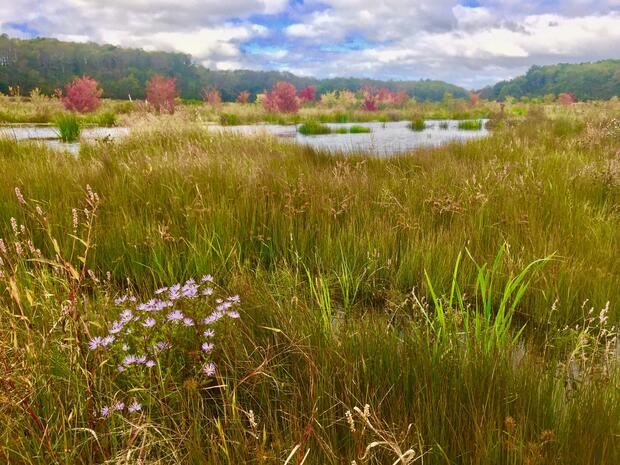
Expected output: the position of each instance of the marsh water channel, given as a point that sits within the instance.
(384, 139)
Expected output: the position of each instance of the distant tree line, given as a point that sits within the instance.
(586, 81)
(48, 64)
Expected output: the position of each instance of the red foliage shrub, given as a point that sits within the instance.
(212, 97)
(369, 103)
(474, 97)
(82, 95)
(282, 98)
(370, 100)
(383, 95)
(161, 92)
(307, 94)
(243, 97)
(566, 99)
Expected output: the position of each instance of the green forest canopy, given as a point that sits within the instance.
(587, 81)
(49, 64)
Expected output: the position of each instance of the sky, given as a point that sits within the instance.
(472, 43)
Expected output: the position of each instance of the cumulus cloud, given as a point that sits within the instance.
(441, 39)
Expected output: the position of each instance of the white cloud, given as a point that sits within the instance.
(199, 27)
(440, 39)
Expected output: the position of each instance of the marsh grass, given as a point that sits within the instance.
(417, 124)
(68, 128)
(313, 128)
(461, 291)
(470, 125)
(358, 130)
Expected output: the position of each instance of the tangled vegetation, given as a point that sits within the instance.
(458, 304)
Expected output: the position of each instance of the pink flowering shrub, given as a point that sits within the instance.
(173, 331)
(82, 95)
(243, 97)
(307, 94)
(370, 101)
(213, 97)
(474, 97)
(282, 98)
(566, 99)
(384, 97)
(161, 92)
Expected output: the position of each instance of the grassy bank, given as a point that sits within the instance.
(362, 281)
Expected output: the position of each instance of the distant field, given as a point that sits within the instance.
(468, 293)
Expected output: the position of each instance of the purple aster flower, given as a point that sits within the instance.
(141, 360)
(116, 327)
(223, 306)
(174, 292)
(209, 369)
(188, 321)
(94, 343)
(175, 316)
(207, 278)
(149, 322)
(150, 363)
(134, 407)
(209, 333)
(120, 368)
(126, 316)
(130, 359)
(161, 290)
(233, 314)
(207, 347)
(162, 346)
(105, 411)
(218, 301)
(207, 291)
(212, 318)
(234, 298)
(120, 300)
(119, 406)
(132, 299)
(106, 341)
(190, 291)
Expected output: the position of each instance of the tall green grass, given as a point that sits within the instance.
(417, 124)
(363, 281)
(470, 125)
(313, 128)
(68, 127)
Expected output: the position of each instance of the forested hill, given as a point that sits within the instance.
(48, 64)
(587, 81)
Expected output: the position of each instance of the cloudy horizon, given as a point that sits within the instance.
(468, 43)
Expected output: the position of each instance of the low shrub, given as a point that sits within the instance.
(358, 130)
(312, 128)
(229, 119)
(107, 119)
(417, 124)
(470, 125)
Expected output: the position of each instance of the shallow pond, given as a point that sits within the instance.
(384, 139)
(49, 135)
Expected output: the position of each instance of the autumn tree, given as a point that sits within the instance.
(243, 97)
(212, 97)
(307, 94)
(82, 95)
(282, 98)
(161, 92)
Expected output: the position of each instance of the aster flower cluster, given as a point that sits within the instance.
(179, 322)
